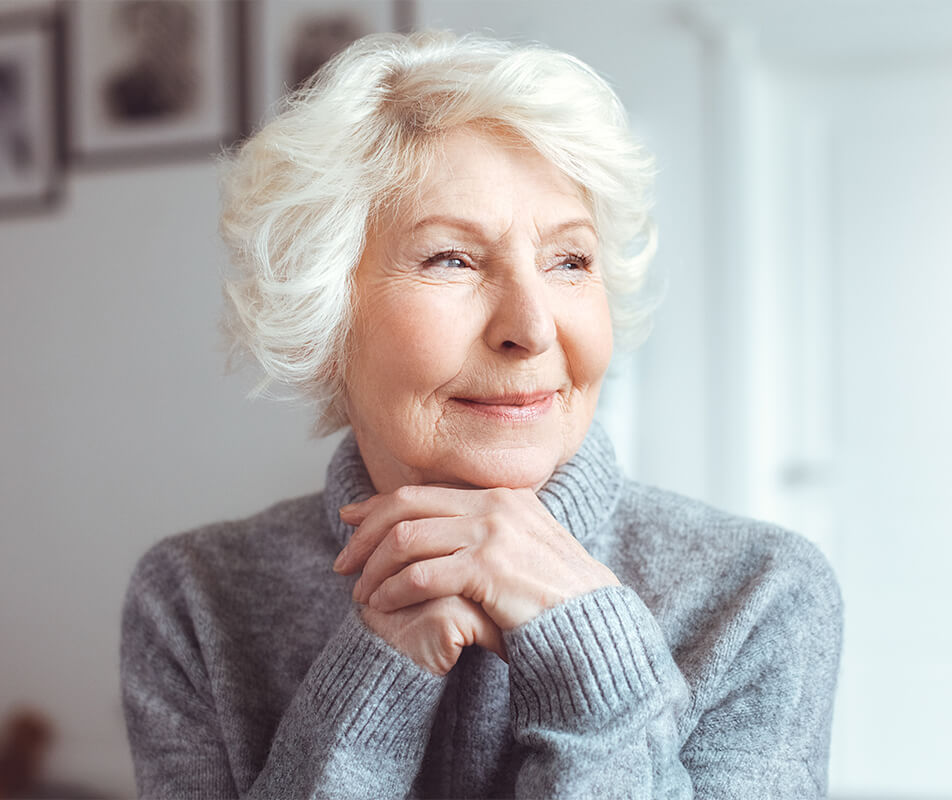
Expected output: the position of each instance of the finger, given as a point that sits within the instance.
(364, 539)
(434, 633)
(414, 540)
(375, 516)
(354, 514)
(420, 581)
(477, 627)
(382, 512)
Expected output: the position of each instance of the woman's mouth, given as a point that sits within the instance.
(509, 407)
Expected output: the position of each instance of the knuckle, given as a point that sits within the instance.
(418, 575)
(402, 536)
(500, 495)
(406, 494)
(450, 632)
(512, 500)
(496, 523)
(448, 638)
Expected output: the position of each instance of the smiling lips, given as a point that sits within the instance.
(511, 407)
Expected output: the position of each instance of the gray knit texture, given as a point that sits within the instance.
(246, 671)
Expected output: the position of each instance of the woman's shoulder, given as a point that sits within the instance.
(689, 559)
(282, 534)
(246, 597)
(736, 598)
(688, 531)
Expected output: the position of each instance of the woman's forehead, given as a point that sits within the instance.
(476, 175)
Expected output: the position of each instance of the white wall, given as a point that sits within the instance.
(117, 426)
(892, 199)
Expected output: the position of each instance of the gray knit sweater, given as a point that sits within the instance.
(246, 670)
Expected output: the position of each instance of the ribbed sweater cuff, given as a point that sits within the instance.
(577, 666)
(371, 694)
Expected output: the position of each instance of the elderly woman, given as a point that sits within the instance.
(436, 243)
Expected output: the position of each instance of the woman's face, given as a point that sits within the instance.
(482, 329)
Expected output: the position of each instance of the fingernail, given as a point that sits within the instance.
(356, 593)
(339, 561)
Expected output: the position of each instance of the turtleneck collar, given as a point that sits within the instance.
(581, 494)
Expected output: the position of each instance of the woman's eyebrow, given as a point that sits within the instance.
(474, 227)
(568, 225)
(447, 221)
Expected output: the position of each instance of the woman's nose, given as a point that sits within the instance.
(522, 321)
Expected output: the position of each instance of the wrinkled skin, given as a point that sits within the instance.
(481, 337)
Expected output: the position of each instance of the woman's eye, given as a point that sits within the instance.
(574, 262)
(447, 260)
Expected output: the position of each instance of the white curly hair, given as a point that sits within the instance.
(298, 195)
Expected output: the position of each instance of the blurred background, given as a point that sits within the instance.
(799, 370)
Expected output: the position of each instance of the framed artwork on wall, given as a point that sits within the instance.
(291, 39)
(154, 79)
(31, 129)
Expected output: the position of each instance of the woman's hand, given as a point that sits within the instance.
(499, 548)
(434, 633)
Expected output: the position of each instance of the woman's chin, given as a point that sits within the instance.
(509, 469)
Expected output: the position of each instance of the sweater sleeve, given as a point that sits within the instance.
(356, 727)
(595, 701)
(763, 708)
(603, 709)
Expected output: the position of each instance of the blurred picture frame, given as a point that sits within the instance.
(293, 38)
(31, 103)
(154, 79)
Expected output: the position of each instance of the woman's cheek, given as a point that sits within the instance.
(436, 324)
(587, 337)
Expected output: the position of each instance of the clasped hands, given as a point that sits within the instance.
(445, 568)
